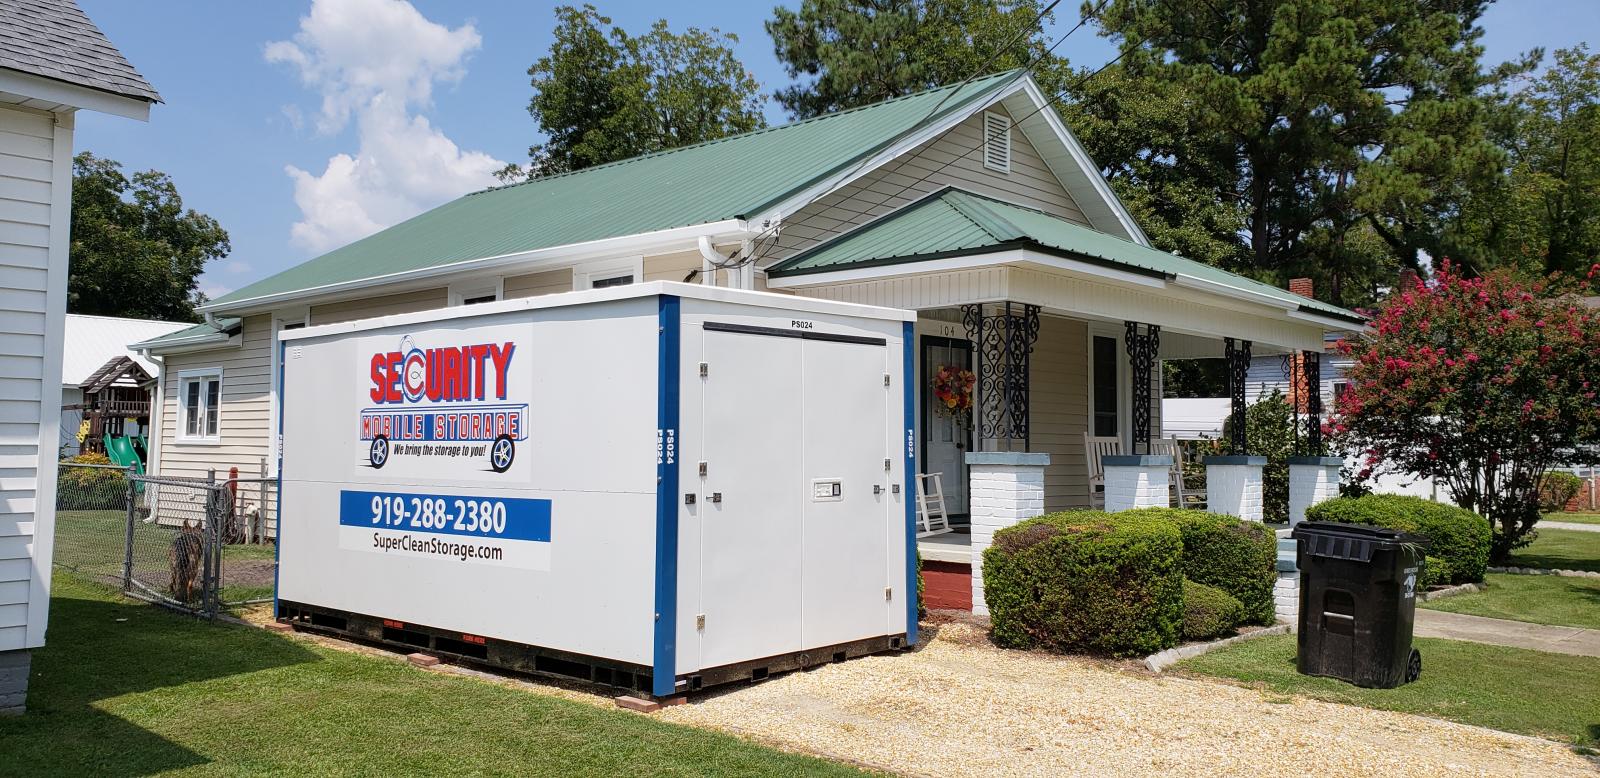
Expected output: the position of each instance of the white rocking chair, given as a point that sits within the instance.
(931, 515)
(1094, 450)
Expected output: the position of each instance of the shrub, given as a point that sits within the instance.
(1086, 581)
(1556, 489)
(90, 488)
(1239, 557)
(1209, 612)
(1459, 551)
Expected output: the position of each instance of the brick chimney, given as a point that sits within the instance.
(1408, 279)
(1302, 287)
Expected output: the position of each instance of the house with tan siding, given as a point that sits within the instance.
(54, 62)
(973, 205)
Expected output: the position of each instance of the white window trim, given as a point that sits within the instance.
(1000, 117)
(180, 434)
(477, 287)
(584, 276)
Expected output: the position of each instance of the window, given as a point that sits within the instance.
(199, 404)
(997, 142)
(1340, 388)
(476, 292)
(617, 272)
(1105, 387)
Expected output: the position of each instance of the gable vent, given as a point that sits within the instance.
(997, 142)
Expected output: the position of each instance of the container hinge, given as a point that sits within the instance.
(887, 464)
(700, 621)
(702, 469)
(886, 379)
(888, 592)
(705, 369)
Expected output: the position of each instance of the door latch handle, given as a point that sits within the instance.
(716, 496)
(877, 488)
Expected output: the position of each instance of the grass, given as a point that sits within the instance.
(130, 689)
(1574, 518)
(1563, 549)
(1541, 599)
(1510, 689)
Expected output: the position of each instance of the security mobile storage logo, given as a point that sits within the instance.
(441, 403)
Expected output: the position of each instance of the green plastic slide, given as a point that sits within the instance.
(120, 449)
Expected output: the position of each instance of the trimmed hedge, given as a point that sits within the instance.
(1086, 581)
(1459, 552)
(1237, 556)
(1209, 612)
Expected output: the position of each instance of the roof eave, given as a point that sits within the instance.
(77, 96)
(660, 240)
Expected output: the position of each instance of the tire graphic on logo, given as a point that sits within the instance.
(501, 454)
(378, 454)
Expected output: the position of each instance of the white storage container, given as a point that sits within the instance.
(660, 486)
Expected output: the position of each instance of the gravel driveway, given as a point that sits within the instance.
(960, 706)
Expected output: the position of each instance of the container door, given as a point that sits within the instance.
(750, 499)
(848, 491)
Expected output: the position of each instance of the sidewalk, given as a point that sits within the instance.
(1573, 525)
(1502, 632)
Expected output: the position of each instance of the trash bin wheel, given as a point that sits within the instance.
(1414, 666)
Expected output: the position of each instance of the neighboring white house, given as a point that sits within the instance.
(91, 342)
(972, 205)
(53, 63)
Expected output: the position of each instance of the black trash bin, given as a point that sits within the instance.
(1358, 598)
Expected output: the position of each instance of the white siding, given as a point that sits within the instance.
(952, 159)
(243, 419)
(35, 202)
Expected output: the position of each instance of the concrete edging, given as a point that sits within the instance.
(1162, 660)
(1449, 591)
(1544, 571)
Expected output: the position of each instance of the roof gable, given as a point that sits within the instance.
(56, 40)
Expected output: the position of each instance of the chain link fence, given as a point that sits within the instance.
(193, 544)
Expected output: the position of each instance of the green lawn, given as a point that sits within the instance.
(130, 689)
(1575, 518)
(1541, 599)
(1564, 549)
(1511, 689)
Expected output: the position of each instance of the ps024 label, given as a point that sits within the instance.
(501, 531)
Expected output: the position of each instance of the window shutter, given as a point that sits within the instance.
(997, 142)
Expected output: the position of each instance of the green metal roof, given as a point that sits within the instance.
(734, 177)
(224, 327)
(952, 222)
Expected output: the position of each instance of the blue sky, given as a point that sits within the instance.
(301, 130)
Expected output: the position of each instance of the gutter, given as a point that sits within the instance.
(534, 259)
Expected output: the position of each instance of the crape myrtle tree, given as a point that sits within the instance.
(1481, 383)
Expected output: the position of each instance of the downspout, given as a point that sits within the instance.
(710, 260)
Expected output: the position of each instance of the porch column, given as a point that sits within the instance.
(1007, 487)
(1003, 339)
(1137, 481)
(1142, 353)
(1302, 372)
(1311, 480)
(1238, 356)
(1234, 485)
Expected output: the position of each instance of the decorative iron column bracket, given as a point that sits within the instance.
(1238, 356)
(1003, 340)
(1142, 353)
(1312, 365)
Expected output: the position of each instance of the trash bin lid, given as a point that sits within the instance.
(1355, 542)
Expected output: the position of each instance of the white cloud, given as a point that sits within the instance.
(376, 62)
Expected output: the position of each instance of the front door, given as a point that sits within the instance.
(946, 436)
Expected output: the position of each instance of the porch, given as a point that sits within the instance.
(1064, 330)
